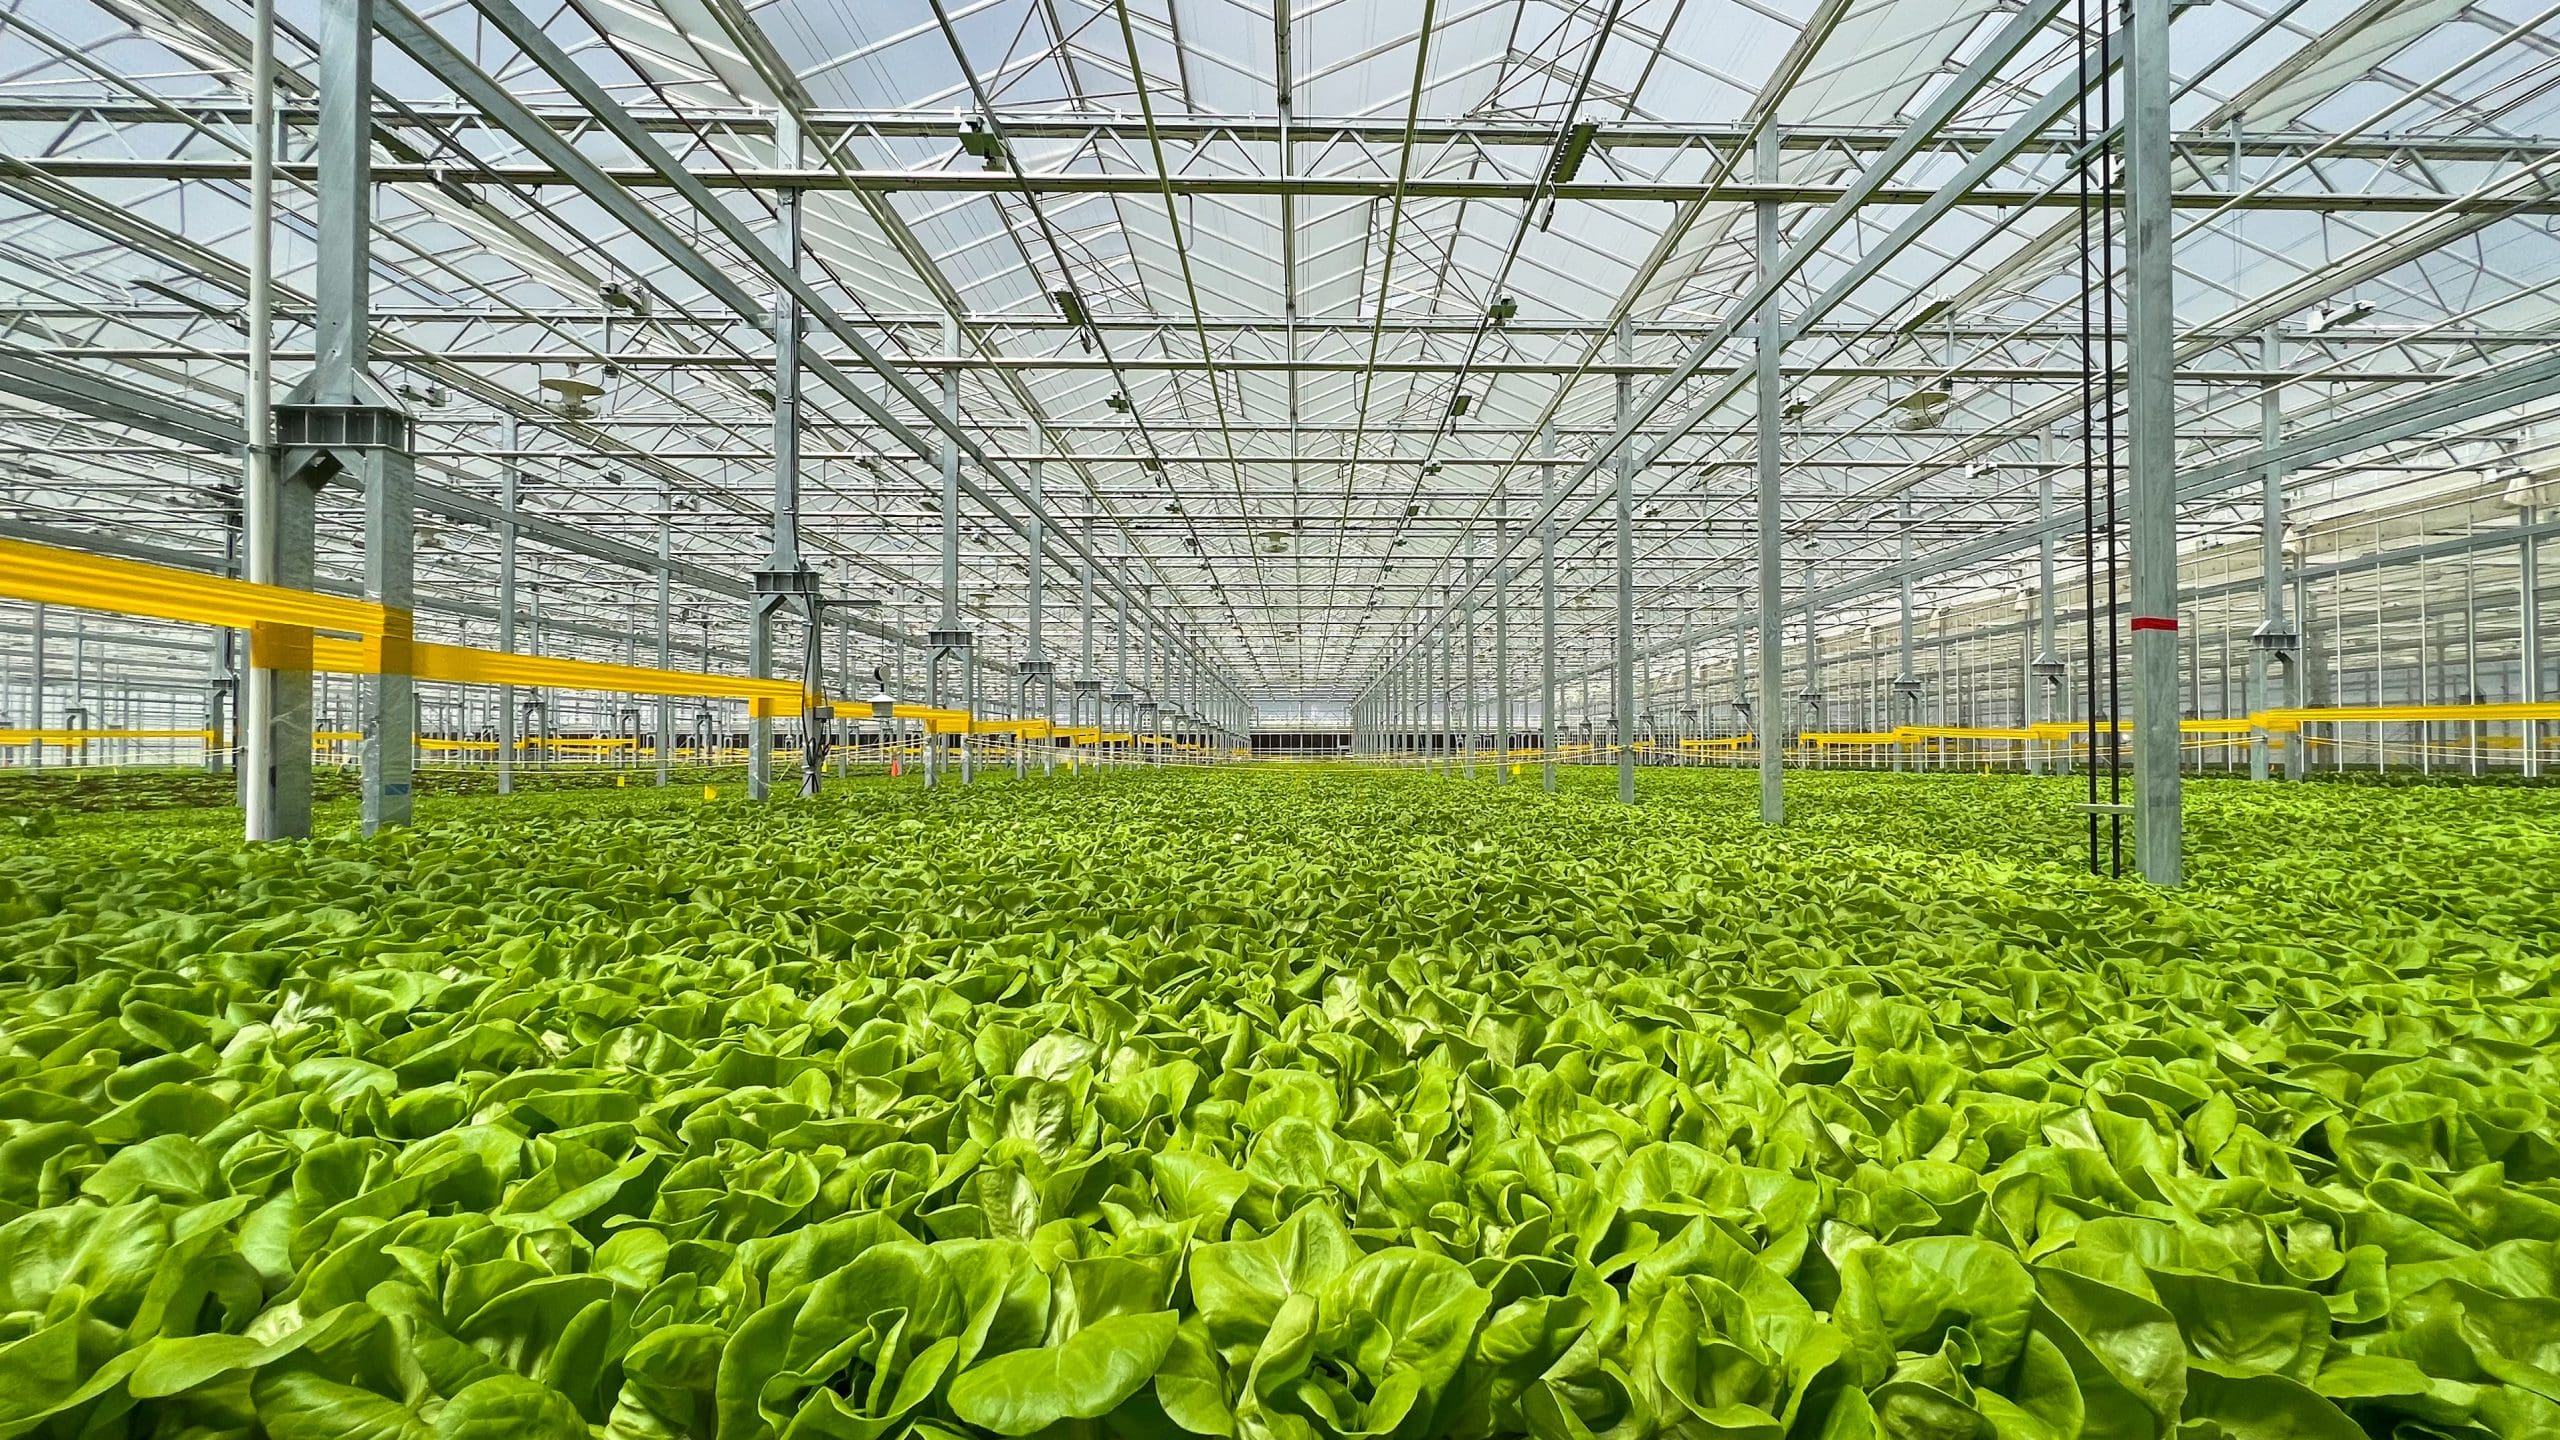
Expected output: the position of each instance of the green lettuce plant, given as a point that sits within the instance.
(1286, 1106)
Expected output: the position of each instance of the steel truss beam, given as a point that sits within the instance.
(69, 169)
(2055, 374)
(829, 128)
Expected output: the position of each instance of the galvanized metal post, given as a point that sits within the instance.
(666, 737)
(36, 686)
(2529, 583)
(1121, 692)
(338, 420)
(2047, 667)
(1468, 639)
(1742, 674)
(258, 517)
(2274, 645)
(1688, 705)
(2151, 485)
(787, 321)
(1812, 657)
(510, 485)
(1502, 640)
(1088, 685)
(1626, 667)
(1770, 339)
(1447, 736)
(1035, 662)
(951, 629)
(1548, 735)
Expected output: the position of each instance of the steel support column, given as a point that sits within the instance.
(258, 500)
(2273, 646)
(784, 582)
(2529, 586)
(340, 422)
(2152, 480)
(1502, 642)
(1769, 341)
(1626, 667)
(2047, 668)
(1035, 667)
(952, 640)
(1548, 735)
(665, 742)
(1467, 638)
(509, 482)
(1812, 696)
(36, 639)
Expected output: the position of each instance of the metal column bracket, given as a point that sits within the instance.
(307, 426)
(796, 582)
(788, 584)
(360, 433)
(2276, 638)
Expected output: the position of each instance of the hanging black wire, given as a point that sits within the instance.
(2088, 408)
(2108, 168)
(2108, 467)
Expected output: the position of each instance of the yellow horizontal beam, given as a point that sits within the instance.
(83, 737)
(470, 665)
(2505, 713)
(54, 576)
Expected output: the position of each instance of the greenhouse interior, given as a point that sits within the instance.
(1279, 720)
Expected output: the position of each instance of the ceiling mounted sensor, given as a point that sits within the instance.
(1459, 404)
(1922, 409)
(572, 395)
(1071, 309)
(2336, 317)
(1570, 150)
(1503, 311)
(1117, 401)
(1931, 307)
(2523, 489)
(624, 296)
(169, 291)
(977, 140)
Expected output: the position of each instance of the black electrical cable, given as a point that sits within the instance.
(2088, 470)
(2107, 180)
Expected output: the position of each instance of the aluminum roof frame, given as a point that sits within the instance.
(1304, 399)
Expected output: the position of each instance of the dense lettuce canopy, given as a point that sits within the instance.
(1294, 1106)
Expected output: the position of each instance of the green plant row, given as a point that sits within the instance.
(1292, 1106)
(83, 790)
